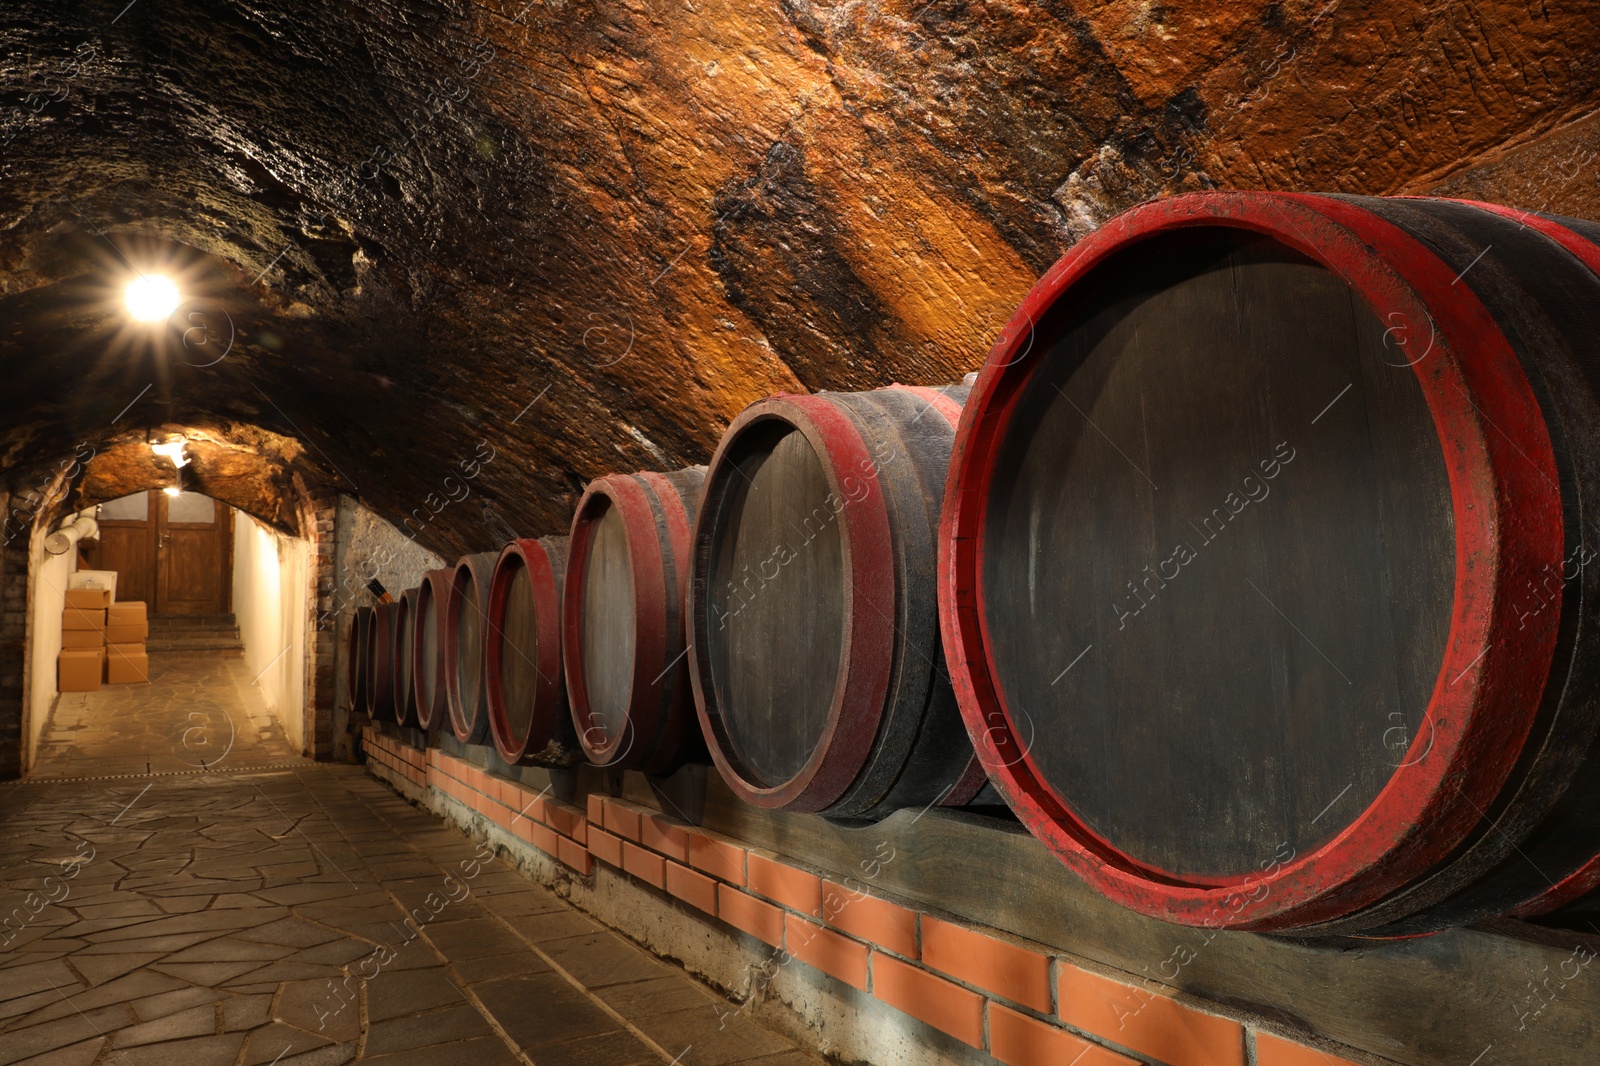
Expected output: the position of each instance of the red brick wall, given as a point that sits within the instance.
(1023, 1003)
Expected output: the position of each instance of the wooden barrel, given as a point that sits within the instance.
(380, 661)
(403, 683)
(427, 649)
(622, 625)
(523, 684)
(817, 671)
(465, 628)
(1261, 561)
(358, 639)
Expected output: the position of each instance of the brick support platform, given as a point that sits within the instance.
(1023, 1003)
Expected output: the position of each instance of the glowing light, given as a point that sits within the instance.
(173, 490)
(173, 450)
(151, 298)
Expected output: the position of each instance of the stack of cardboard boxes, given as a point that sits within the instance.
(127, 628)
(101, 638)
(83, 640)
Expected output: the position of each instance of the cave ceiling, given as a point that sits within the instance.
(544, 241)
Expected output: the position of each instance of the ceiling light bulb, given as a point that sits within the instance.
(172, 450)
(173, 490)
(151, 298)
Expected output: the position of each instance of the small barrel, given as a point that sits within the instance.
(359, 639)
(817, 671)
(465, 630)
(622, 623)
(403, 684)
(526, 692)
(380, 662)
(427, 650)
(1263, 566)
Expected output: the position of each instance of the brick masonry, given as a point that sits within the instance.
(1025, 1004)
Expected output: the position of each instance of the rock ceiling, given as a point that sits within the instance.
(579, 236)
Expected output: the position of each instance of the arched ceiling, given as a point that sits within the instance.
(579, 235)
(262, 474)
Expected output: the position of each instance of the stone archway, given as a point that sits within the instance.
(263, 475)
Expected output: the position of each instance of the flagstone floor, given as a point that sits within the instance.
(240, 913)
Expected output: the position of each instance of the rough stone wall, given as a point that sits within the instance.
(365, 547)
(321, 685)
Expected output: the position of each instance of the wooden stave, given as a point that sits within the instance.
(358, 637)
(543, 561)
(468, 718)
(1552, 803)
(960, 596)
(402, 683)
(380, 663)
(873, 758)
(659, 510)
(1581, 887)
(432, 709)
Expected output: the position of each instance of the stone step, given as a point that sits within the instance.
(218, 621)
(221, 640)
(226, 651)
(211, 634)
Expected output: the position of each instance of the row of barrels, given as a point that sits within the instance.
(1251, 574)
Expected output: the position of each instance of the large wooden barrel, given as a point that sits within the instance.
(523, 684)
(465, 630)
(358, 640)
(403, 683)
(817, 671)
(428, 648)
(380, 661)
(622, 624)
(1262, 561)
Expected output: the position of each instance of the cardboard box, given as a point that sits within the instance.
(127, 613)
(89, 599)
(137, 633)
(78, 618)
(127, 664)
(79, 671)
(94, 579)
(82, 639)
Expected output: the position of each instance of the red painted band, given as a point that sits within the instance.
(523, 560)
(862, 684)
(626, 747)
(432, 594)
(460, 578)
(400, 678)
(380, 661)
(936, 400)
(356, 656)
(1507, 513)
(1586, 878)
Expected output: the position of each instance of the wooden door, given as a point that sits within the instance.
(127, 544)
(194, 549)
(173, 553)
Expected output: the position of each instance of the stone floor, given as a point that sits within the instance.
(305, 916)
(197, 711)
